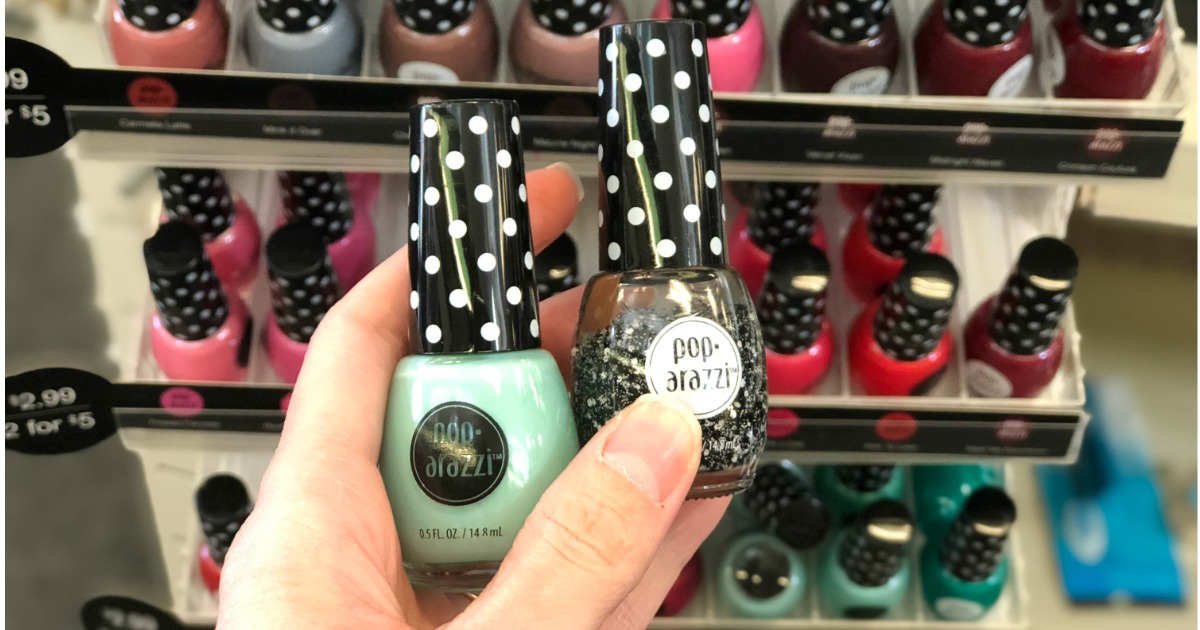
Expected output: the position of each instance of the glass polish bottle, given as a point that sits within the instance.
(478, 421)
(667, 315)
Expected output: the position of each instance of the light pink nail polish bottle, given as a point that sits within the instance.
(558, 41)
(736, 39)
(184, 34)
(303, 288)
(322, 199)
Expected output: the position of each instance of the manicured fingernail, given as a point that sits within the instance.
(566, 168)
(653, 446)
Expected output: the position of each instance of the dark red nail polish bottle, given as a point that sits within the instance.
(974, 48)
(899, 345)
(791, 311)
(684, 589)
(780, 214)
(856, 197)
(223, 504)
(842, 46)
(898, 223)
(1110, 48)
(1013, 341)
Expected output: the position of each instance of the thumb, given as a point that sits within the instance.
(595, 531)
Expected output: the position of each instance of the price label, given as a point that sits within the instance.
(56, 410)
(34, 121)
(113, 612)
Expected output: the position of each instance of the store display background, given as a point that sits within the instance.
(81, 526)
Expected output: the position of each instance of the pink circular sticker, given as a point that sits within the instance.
(1013, 430)
(781, 423)
(183, 402)
(896, 426)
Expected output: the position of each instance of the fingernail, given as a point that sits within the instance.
(653, 446)
(566, 168)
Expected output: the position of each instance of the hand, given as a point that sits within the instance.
(320, 550)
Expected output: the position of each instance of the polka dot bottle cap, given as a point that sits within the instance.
(296, 16)
(1120, 23)
(571, 17)
(318, 198)
(303, 284)
(849, 21)
(783, 502)
(556, 267)
(782, 213)
(916, 307)
(901, 219)
(720, 17)
(157, 15)
(791, 303)
(433, 16)
(189, 298)
(199, 197)
(472, 260)
(661, 203)
(985, 23)
(875, 547)
(1029, 308)
(223, 505)
(974, 545)
(864, 479)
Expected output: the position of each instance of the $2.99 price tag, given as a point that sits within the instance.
(56, 410)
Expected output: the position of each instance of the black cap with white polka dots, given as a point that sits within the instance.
(791, 303)
(1120, 23)
(157, 15)
(782, 212)
(433, 16)
(849, 21)
(199, 197)
(318, 198)
(471, 259)
(556, 267)
(661, 204)
(916, 307)
(303, 284)
(865, 479)
(571, 17)
(974, 545)
(720, 17)
(784, 503)
(874, 547)
(191, 303)
(1029, 308)
(900, 222)
(296, 16)
(223, 504)
(985, 23)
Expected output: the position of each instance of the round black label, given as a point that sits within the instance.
(459, 454)
(35, 81)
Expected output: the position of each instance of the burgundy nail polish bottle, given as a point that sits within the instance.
(791, 310)
(303, 289)
(899, 345)
(322, 199)
(780, 214)
(1110, 48)
(439, 40)
(684, 589)
(782, 500)
(1013, 342)
(557, 42)
(839, 46)
(856, 197)
(974, 48)
(736, 38)
(201, 198)
(223, 505)
(898, 223)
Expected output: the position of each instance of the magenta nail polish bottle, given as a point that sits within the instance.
(322, 199)
(736, 38)
(202, 199)
(303, 289)
(781, 213)
(797, 337)
(839, 47)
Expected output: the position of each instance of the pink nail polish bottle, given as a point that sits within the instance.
(898, 224)
(781, 213)
(558, 41)
(736, 39)
(202, 199)
(321, 199)
(1110, 49)
(303, 289)
(974, 48)
(183, 34)
(198, 331)
(791, 309)
(839, 47)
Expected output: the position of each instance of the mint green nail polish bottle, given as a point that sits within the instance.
(478, 421)
(761, 577)
(847, 490)
(964, 572)
(865, 571)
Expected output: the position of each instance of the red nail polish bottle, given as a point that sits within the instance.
(684, 589)
(1110, 48)
(974, 48)
(839, 47)
(899, 345)
(223, 505)
(899, 222)
(1013, 342)
(791, 309)
(781, 213)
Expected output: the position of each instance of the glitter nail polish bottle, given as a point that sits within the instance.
(899, 222)
(322, 199)
(478, 423)
(865, 571)
(797, 338)
(782, 501)
(847, 490)
(666, 315)
(781, 213)
(964, 572)
(223, 504)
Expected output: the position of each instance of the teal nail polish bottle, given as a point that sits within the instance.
(761, 577)
(847, 490)
(781, 501)
(478, 421)
(864, 572)
(939, 493)
(964, 573)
